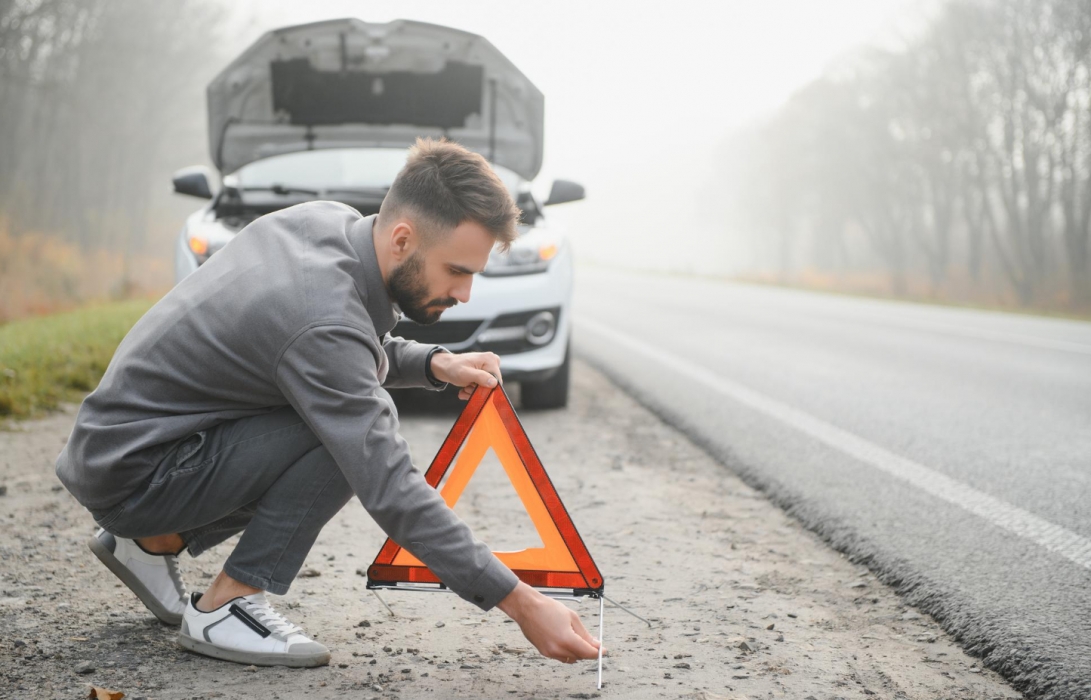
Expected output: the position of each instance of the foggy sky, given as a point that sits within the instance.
(639, 96)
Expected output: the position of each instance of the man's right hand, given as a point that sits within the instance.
(554, 630)
(467, 370)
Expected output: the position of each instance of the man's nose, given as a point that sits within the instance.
(462, 291)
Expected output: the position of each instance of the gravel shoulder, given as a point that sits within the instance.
(744, 602)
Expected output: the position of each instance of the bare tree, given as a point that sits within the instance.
(970, 144)
(95, 94)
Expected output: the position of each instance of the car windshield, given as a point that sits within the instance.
(335, 169)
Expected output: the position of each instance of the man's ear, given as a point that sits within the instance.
(403, 240)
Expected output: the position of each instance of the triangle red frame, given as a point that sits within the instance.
(385, 573)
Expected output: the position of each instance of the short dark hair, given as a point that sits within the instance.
(445, 184)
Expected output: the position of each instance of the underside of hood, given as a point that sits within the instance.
(348, 83)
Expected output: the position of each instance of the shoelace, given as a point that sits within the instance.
(259, 607)
(175, 575)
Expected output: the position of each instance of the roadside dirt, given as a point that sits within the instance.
(744, 602)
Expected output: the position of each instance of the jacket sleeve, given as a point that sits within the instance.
(407, 362)
(329, 375)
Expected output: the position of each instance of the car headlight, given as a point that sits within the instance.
(203, 241)
(522, 258)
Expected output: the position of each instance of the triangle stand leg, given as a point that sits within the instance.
(619, 605)
(602, 610)
(383, 602)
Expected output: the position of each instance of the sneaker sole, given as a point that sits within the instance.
(122, 572)
(253, 658)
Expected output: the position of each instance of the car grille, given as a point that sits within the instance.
(438, 333)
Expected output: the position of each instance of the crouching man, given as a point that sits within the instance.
(252, 399)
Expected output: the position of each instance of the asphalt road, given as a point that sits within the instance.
(949, 449)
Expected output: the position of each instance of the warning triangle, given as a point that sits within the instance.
(489, 421)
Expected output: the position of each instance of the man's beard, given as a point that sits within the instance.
(410, 292)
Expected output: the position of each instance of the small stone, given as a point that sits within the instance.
(771, 625)
(310, 573)
(84, 667)
(467, 667)
(682, 665)
(667, 676)
(780, 637)
(793, 615)
(911, 615)
(342, 665)
(19, 643)
(363, 623)
(407, 670)
(859, 584)
(743, 646)
(251, 669)
(3, 489)
(361, 571)
(441, 623)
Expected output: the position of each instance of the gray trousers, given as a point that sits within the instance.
(266, 476)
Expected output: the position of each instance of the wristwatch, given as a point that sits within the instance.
(428, 368)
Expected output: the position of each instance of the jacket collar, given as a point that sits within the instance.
(369, 278)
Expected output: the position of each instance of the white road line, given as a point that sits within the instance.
(1055, 538)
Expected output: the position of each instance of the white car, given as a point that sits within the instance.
(327, 111)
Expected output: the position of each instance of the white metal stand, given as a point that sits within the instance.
(556, 595)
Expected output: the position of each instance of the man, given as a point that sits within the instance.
(252, 399)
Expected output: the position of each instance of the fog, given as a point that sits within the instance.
(639, 99)
(706, 134)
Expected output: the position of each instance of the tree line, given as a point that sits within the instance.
(957, 163)
(100, 101)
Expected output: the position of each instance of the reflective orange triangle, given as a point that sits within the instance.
(488, 421)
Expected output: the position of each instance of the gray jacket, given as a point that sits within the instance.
(294, 311)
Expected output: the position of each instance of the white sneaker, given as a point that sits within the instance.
(248, 631)
(154, 578)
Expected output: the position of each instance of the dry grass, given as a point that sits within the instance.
(42, 274)
(989, 295)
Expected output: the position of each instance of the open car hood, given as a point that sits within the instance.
(348, 83)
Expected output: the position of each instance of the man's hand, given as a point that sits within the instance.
(554, 630)
(467, 370)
